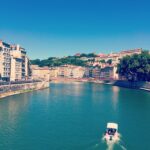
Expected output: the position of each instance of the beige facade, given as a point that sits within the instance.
(14, 63)
(93, 72)
(16, 69)
(5, 61)
(115, 57)
(53, 73)
(40, 73)
(78, 72)
(19, 63)
(109, 73)
(70, 71)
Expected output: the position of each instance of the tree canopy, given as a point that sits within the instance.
(72, 60)
(102, 61)
(135, 67)
(52, 61)
(109, 61)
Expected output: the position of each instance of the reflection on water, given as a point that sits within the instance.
(14, 106)
(115, 91)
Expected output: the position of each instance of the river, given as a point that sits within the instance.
(73, 116)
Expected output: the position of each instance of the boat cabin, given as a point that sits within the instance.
(111, 128)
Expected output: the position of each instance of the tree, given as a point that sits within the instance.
(35, 62)
(83, 55)
(52, 61)
(135, 67)
(109, 61)
(102, 61)
(91, 55)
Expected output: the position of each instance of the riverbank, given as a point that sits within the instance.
(13, 89)
(140, 85)
(70, 80)
(120, 83)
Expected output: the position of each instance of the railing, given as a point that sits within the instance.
(17, 85)
(18, 82)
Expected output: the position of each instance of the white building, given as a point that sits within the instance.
(70, 71)
(19, 63)
(5, 61)
(14, 63)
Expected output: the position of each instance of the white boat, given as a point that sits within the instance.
(111, 133)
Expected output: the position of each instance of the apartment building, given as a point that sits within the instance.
(78, 72)
(5, 61)
(14, 63)
(53, 72)
(40, 73)
(63, 71)
(71, 71)
(109, 73)
(93, 72)
(19, 63)
(115, 57)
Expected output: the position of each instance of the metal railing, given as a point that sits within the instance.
(18, 82)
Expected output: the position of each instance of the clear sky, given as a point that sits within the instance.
(64, 27)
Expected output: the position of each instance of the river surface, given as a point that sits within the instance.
(73, 116)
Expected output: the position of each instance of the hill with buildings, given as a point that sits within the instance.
(128, 64)
(86, 60)
(122, 65)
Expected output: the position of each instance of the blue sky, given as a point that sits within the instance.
(64, 27)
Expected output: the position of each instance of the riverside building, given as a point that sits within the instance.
(14, 63)
(5, 61)
(71, 71)
(19, 63)
(115, 57)
(42, 73)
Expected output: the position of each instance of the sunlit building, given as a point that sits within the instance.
(40, 73)
(71, 71)
(5, 61)
(109, 73)
(14, 63)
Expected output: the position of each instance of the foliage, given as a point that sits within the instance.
(35, 62)
(102, 61)
(109, 61)
(135, 67)
(52, 61)
(72, 60)
(88, 55)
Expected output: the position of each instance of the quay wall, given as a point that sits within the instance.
(134, 85)
(13, 89)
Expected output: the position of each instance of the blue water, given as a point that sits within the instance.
(74, 117)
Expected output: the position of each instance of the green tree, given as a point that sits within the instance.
(35, 62)
(135, 67)
(83, 55)
(109, 61)
(91, 55)
(52, 61)
(102, 61)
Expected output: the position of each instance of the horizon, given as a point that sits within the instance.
(62, 28)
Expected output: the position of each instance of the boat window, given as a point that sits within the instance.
(111, 131)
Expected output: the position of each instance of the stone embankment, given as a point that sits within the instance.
(13, 89)
(134, 85)
(70, 80)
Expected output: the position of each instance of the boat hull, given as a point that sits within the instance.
(111, 138)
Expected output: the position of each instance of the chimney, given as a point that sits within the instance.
(1, 42)
(18, 47)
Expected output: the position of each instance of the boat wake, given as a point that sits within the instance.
(112, 144)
